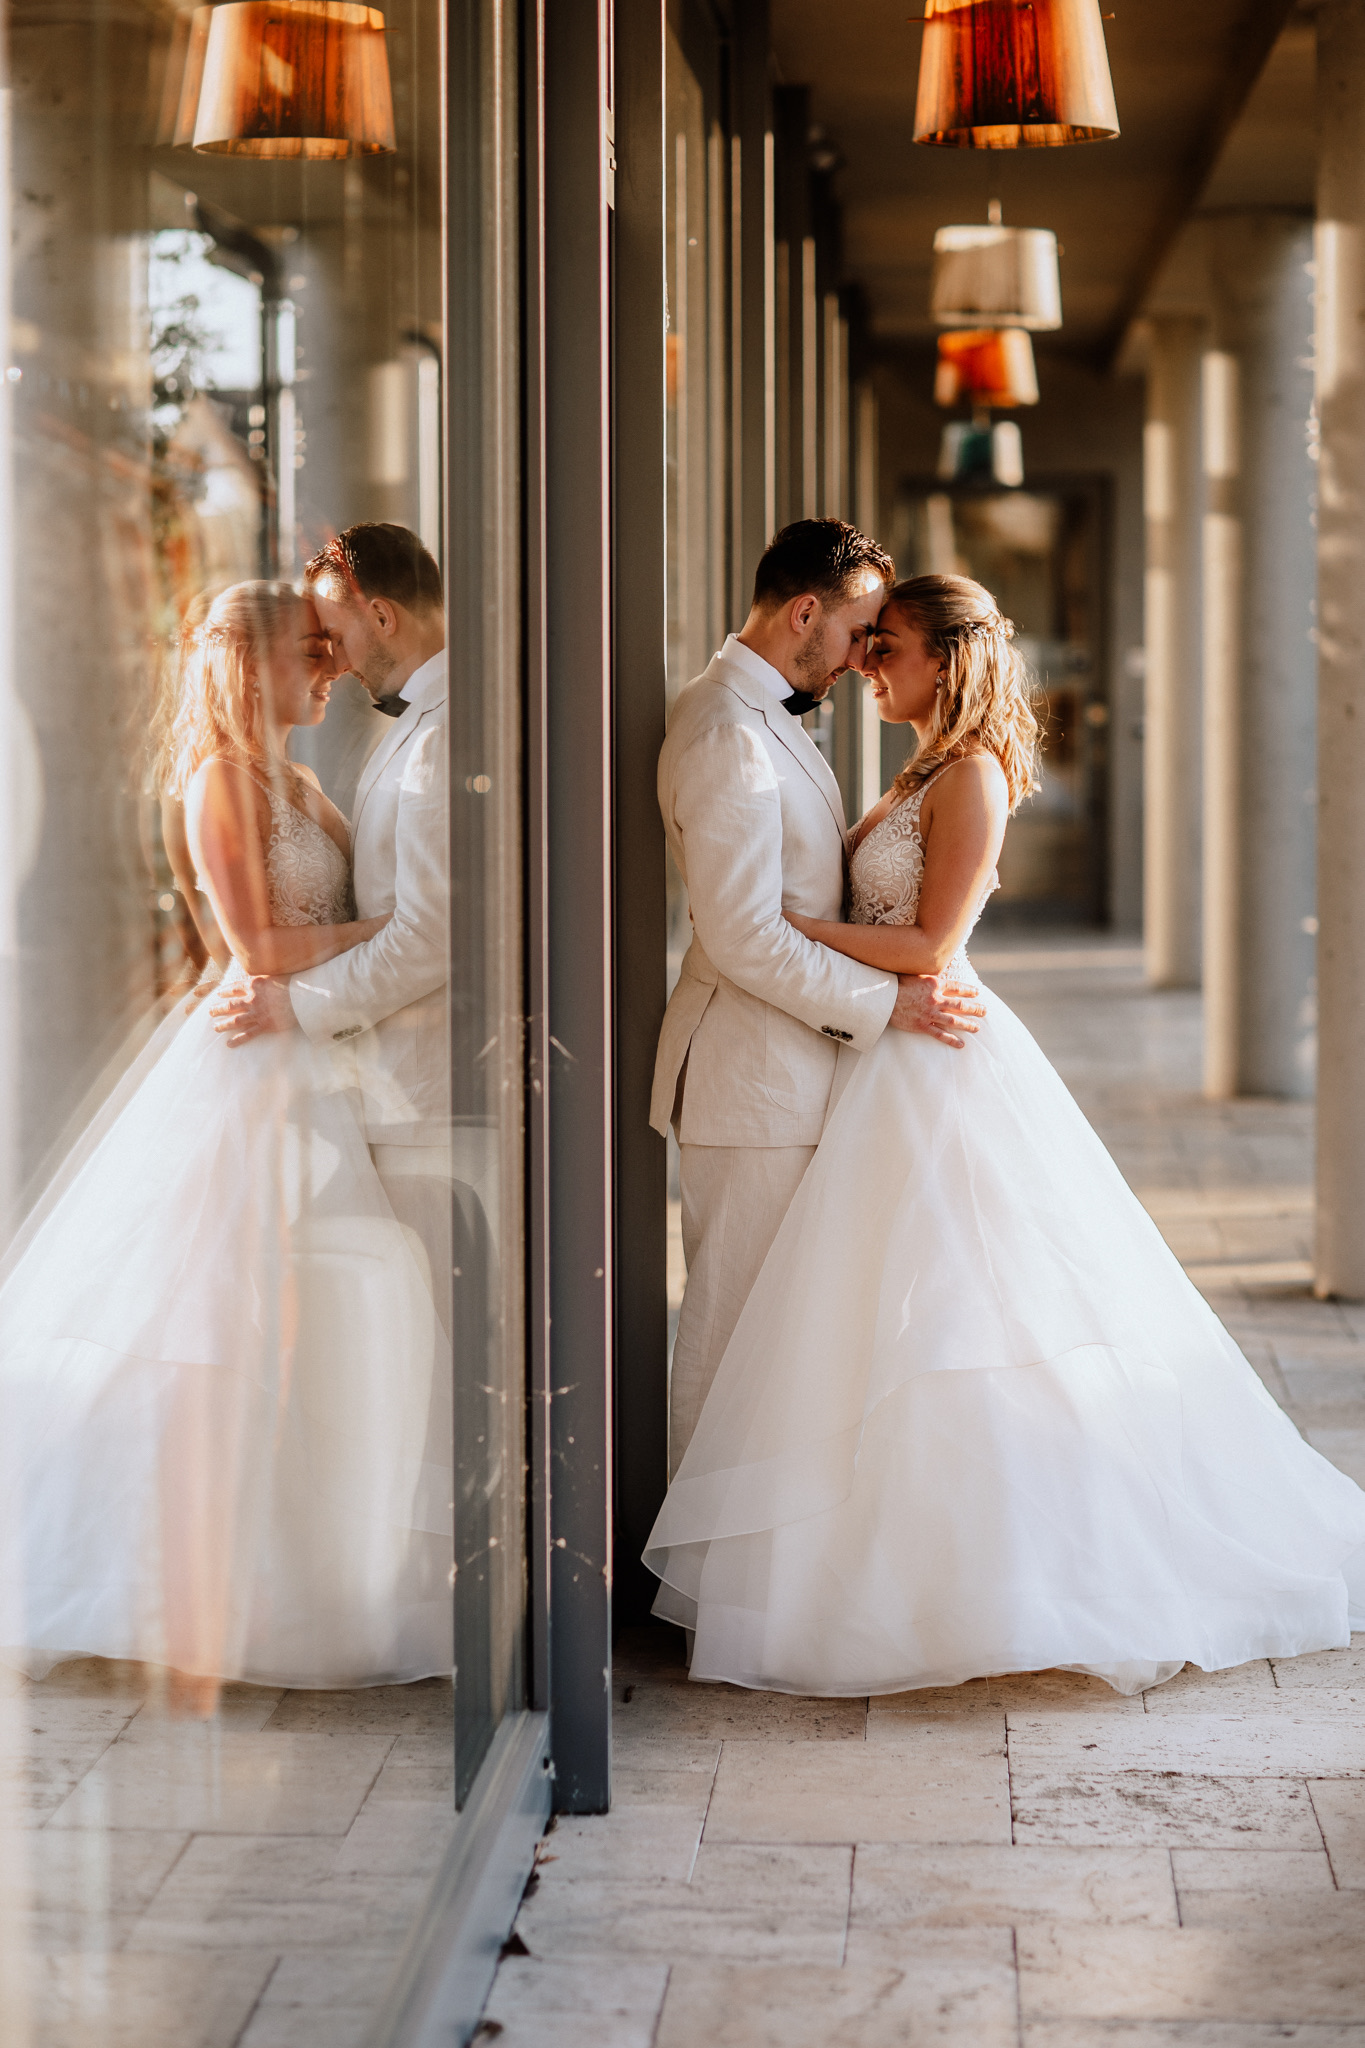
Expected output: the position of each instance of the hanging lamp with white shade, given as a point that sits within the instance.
(988, 275)
(1013, 74)
(287, 79)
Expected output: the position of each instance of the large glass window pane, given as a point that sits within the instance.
(262, 1417)
(697, 259)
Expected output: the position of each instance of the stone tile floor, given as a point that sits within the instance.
(1029, 1860)
(242, 1882)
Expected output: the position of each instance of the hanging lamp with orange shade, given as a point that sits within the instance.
(990, 368)
(1013, 74)
(286, 79)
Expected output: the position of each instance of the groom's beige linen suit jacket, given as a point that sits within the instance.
(389, 1000)
(755, 823)
(754, 1027)
(389, 995)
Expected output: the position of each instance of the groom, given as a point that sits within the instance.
(752, 1032)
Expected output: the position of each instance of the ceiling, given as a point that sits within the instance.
(1184, 72)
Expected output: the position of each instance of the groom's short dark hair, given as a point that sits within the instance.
(379, 559)
(822, 556)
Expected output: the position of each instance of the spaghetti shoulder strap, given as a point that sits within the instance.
(917, 796)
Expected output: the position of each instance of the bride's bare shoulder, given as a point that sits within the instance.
(971, 794)
(221, 787)
(970, 779)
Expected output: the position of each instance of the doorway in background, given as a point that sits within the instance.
(1041, 552)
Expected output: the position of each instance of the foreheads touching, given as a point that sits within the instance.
(378, 594)
(825, 559)
(378, 559)
(817, 592)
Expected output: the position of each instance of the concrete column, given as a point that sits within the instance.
(1173, 496)
(1259, 666)
(1341, 653)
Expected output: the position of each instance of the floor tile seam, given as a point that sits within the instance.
(175, 1863)
(1009, 1782)
(257, 2002)
(1317, 1822)
(1302, 1776)
(659, 2013)
(93, 1764)
(221, 1899)
(710, 1796)
(848, 1906)
(364, 1797)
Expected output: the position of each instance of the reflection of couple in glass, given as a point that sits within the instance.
(220, 1329)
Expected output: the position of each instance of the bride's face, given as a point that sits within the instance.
(296, 678)
(902, 670)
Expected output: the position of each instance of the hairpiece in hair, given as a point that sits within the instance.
(996, 623)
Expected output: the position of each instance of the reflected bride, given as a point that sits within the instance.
(217, 1342)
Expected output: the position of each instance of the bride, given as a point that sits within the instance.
(974, 1418)
(216, 1342)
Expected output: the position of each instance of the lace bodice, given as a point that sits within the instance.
(886, 867)
(307, 874)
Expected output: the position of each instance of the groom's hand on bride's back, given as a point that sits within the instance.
(941, 1009)
(251, 1007)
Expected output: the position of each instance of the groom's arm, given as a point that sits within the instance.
(409, 958)
(728, 811)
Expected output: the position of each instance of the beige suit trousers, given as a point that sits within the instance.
(733, 1199)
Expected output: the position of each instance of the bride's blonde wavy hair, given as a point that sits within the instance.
(213, 707)
(984, 703)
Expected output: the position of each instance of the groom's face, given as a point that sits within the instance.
(358, 645)
(838, 635)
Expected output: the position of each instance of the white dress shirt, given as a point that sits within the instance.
(773, 681)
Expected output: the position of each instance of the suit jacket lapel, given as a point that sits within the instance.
(403, 729)
(792, 734)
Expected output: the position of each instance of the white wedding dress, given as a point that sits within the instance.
(217, 1360)
(974, 1418)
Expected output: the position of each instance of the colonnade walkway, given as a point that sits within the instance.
(1026, 1860)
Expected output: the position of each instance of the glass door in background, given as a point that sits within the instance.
(1040, 552)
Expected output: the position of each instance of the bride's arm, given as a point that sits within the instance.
(226, 834)
(968, 811)
(201, 920)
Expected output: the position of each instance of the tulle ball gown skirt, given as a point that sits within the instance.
(974, 1419)
(222, 1424)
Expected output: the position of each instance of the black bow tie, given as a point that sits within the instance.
(392, 707)
(799, 703)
